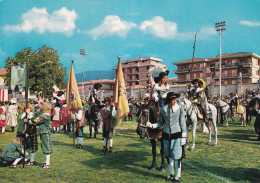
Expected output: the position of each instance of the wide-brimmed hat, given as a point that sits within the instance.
(158, 78)
(170, 96)
(107, 99)
(97, 85)
(197, 81)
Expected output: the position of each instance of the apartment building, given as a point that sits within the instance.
(136, 70)
(241, 67)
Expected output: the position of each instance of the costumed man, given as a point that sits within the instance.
(31, 135)
(56, 118)
(11, 116)
(198, 97)
(172, 118)
(106, 114)
(13, 153)
(160, 89)
(80, 123)
(94, 94)
(2, 117)
(43, 122)
(65, 118)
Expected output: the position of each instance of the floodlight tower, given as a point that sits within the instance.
(220, 26)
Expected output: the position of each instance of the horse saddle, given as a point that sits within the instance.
(198, 111)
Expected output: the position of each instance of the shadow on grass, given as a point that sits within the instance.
(239, 136)
(235, 174)
(126, 161)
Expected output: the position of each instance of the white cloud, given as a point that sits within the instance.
(249, 23)
(159, 28)
(111, 25)
(40, 21)
(168, 30)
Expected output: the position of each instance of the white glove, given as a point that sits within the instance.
(156, 99)
(26, 135)
(184, 138)
(150, 125)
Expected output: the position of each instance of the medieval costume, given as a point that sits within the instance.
(2, 117)
(199, 97)
(106, 114)
(65, 118)
(161, 88)
(43, 122)
(56, 119)
(11, 115)
(94, 94)
(172, 118)
(80, 123)
(13, 153)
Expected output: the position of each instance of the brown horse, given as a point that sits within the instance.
(150, 113)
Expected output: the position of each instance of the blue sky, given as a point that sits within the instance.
(128, 28)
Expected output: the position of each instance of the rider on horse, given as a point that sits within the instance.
(93, 95)
(198, 97)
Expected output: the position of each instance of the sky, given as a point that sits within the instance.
(106, 29)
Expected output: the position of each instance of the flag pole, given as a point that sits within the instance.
(73, 124)
(26, 102)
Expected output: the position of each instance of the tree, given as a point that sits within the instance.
(44, 69)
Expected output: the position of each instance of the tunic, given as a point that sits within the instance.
(160, 93)
(11, 116)
(56, 117)
(80, 123)
(2, 116)
(64, 115)
(12, 151)
(173, 122)
(106, 114)
(43, 122)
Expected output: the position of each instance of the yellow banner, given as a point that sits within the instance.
(73, 98)
(120, 96)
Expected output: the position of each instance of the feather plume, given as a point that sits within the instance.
(155, 71)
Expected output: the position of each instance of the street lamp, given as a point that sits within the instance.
(220, 26)
(82, 52)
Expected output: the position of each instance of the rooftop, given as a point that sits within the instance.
(142, 59)
(3, 72)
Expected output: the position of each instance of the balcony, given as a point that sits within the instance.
(234, 76)
(182, 80)
(233, 65)
(179, 71)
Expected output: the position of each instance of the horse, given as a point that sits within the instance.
(150, 113)
(92, 117)
(252, 106)
(250, 110)
(225, 111)
(241, 114)
(193, 119)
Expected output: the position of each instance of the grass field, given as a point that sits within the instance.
(235, 159)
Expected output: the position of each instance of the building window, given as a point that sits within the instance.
(137, 76)
(137, 82)
(137, 69)
(147, 68)
(123, 70)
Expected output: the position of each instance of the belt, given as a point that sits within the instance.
(171, 136)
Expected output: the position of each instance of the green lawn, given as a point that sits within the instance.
(235, 159)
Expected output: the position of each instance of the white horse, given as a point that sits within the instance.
(192, 117)
(241, 115)
(224, 109)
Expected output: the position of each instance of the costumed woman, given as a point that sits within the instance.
(161, 88)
